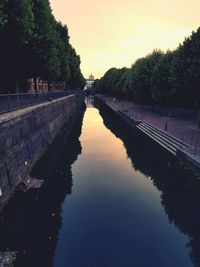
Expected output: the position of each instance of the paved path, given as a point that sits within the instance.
(183, 129)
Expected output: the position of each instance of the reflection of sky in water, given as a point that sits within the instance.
(114, 216)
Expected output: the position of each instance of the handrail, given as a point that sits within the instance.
(10, 102)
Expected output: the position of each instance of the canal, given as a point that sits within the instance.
(111, 197)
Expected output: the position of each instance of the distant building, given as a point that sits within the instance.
(89, 82)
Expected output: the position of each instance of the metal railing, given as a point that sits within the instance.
(10, 102)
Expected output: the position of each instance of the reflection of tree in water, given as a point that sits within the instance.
(30, 224)
(180, 188)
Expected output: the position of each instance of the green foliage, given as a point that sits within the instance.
(191, 55)
(177, 75)
(64, 51)
(76, 78)
(15, 35)
(160, 79)
(141, 76)
(165, 78)
(45, 57)
(139, 80)
(3, 17)
(34, 44)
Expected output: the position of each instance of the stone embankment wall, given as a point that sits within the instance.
(26, 134)
(186, 156)
(189, 159)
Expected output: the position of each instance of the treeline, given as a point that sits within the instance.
(33, 44)
(171, 78)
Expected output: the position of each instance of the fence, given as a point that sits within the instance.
(10, 102)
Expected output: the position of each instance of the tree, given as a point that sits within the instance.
(63, 49)
(16, 35)
(141, 73)
(34, 44)
(76, 80)
(171, 78)
(177, 77)
(122, 82)
(44, 55)
(191, 54)
(125, 82)
(160, 84)
(3, 17)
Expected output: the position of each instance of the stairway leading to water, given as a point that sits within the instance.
(166, 140)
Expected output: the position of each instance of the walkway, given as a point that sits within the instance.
(183, 128)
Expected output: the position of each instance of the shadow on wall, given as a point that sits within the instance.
(180, 188)
(30, 223)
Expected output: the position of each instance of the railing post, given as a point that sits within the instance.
(191, 140)
(18, 100)
(9, 105)
(31, 99)
(21, 99)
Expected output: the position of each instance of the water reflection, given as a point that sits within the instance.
(114, 216)
(7, 258)
(180, 189)
(31, 222)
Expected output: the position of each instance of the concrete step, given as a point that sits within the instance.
(160, 137)
(173, 139)
(165, 138)
(170, 147)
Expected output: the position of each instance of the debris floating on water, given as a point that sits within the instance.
(34, 183)
(30, 183)
(7, 258)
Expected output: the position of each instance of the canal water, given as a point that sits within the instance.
(111, 197)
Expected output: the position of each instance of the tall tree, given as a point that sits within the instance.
(44, 56)
(160, 83)
(141, 74)
(64, 52)
(176, 78)
(76, 80)
(16, 35)
(3, 17)
(191, 54)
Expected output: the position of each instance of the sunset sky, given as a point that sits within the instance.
(114, 33)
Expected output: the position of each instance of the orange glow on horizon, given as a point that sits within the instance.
(115, 33)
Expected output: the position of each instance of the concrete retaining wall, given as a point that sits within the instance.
(189, 160)
(26, 134)
(186, 157)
